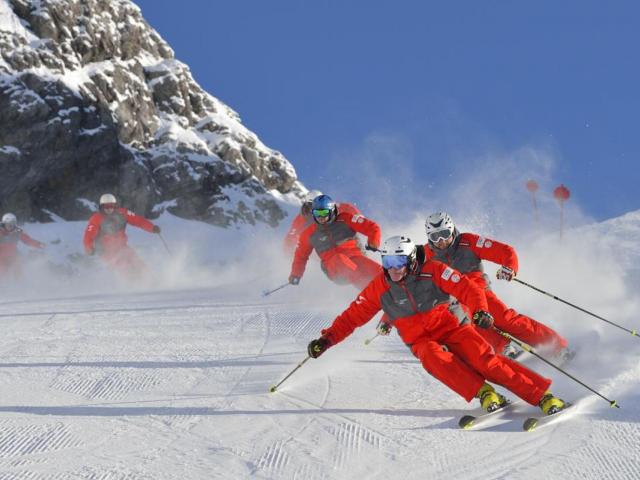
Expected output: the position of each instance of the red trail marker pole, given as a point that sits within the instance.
(532, 186)
(562, 194)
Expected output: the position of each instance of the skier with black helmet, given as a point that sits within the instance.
(301, 221)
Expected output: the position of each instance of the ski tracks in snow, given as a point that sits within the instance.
(148, 385)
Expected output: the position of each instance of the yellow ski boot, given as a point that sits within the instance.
(490, 399)
(550, 404)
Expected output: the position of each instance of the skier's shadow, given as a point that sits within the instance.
(116, 411)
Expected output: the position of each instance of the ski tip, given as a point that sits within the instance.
(466, 422)
(530, 424)
(272, 389)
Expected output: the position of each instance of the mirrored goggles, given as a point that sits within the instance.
(438, 235)
(321, 212)
(108, 206)
(394, 261)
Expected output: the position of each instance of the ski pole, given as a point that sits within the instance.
(528, 348)
(273, 388)
(632, 332)
(266, 293)
(164, 243)
(369, 340)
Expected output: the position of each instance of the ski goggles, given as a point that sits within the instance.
(438, 235)
(394, 261)
(321, 212)
(108, 206)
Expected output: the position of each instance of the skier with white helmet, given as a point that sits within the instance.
(416, 297)
(10, 235)
(465, 252)
(301, 221)
(105, 235)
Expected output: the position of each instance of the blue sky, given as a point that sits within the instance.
(420, 94)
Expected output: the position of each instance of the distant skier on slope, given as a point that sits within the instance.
(333, 237)
(301, 221)
(465, 252)
(417, 301)
(105, 235)
(10, 235)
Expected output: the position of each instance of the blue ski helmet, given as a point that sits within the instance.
(323, 206)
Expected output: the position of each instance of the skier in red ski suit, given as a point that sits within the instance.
(465, 252)
(301, 221)
(333, 237)
(416, 299)
(10, 235)
(105, 235)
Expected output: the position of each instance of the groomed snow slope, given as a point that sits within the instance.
(99, 383)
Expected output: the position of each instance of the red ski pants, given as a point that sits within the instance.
(357, 270)
(520, 326)
(126, 262)
(470, 361)
(10, 264)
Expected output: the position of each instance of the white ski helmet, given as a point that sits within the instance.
(10, 220)
(439, 226)
(107, 198)
(311, 194)
(307, 201)
(397, 252)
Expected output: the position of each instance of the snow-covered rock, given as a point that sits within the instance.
(93, 100)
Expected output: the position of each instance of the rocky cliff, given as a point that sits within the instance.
(92, 100)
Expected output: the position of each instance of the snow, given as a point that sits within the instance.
(10, 150)
(10, 22)
(104, 380)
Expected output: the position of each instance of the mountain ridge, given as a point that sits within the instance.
(93, 100)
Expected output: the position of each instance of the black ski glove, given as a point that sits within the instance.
(317, 347)
(383, 328)
(293, 280)
(482, 319)
(156, 229)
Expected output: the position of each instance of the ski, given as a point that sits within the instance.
(533, 423)
(470, 421)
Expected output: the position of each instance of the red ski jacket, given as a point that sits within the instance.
(467, 252)
(337, 237)
(299, 223)
(417, 306)
(106, 233)
(9, 241)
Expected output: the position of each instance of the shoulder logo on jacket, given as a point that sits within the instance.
(357, 218)
(484, 242)
(446, 274)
